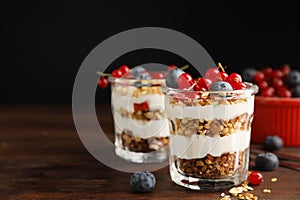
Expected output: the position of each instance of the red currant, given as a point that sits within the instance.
(258, 77)
(267, 71)
(277, 83)
(255, 178)
(285, 69)
(238, 85)
(124, 69)
(283, 92)
(171, 67)
(103, 82)
(213, 74)
(202, 84)
(276, 73)
(262, 85)
(268, 92)
(185, 80)
(235, 78)
(158, 75)
(116, 73)
(224, 76)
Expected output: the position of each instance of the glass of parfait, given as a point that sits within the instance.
(140, 122)
(209, 136)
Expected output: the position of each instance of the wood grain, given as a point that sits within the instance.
(42, 157)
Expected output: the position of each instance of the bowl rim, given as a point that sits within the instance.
(277, 100)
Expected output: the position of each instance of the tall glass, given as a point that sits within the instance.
(209, 136)
(140, 122)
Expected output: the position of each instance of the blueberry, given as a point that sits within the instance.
(248, 74)
(172, 77)
(137, 70)
(142, 181)
(273, 143)
(266, 161)
(293, 78)
(140, 73)
(296, 91)
(220, 86)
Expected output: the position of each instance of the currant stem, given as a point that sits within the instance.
(184, 67)
(103, 74)
(221, 67)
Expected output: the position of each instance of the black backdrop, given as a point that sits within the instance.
(44, 43)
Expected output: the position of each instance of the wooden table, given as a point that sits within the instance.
(42, 157)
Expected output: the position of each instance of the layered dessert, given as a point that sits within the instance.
(210, 131)
(140, 122)
(210, 138)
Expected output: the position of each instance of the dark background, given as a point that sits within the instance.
(44, 43)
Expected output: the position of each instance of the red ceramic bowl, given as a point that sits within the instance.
(276, 116)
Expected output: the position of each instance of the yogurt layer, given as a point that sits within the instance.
(142, 129)
(210, 112)
(139, 128)
(155, 101)
(198, 146)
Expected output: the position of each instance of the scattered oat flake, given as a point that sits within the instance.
(222, 194)
(235, 191)
(273, 179)
(226, 197)
(267, 191)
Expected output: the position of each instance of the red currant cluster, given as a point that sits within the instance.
(117, 73)
(277, 82)
(138, 73)
(216, 75)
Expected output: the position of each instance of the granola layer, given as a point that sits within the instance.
(214, 167)
(137, 144)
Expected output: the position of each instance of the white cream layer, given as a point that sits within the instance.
(155, 101)
(139, 128)
(210, 112)
(198, 146)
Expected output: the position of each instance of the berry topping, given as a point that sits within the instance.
(141, 106)
(116, 73)
(273, 143)
(255, 178)
(213, 74)
(158, 75)
(184, 81)
(235, 78)
(142, 182)
(171, 67)
(124, 69)
(220, 86)
(224, 76)
(172, 78)
(266, 161)
(238, 85)
(103, 82)
(202, 84)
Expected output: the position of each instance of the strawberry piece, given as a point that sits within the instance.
(141, 106)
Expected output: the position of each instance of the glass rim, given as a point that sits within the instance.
(129, 80)
(251, 89)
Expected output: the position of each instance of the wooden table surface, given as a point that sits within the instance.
(42, 157)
